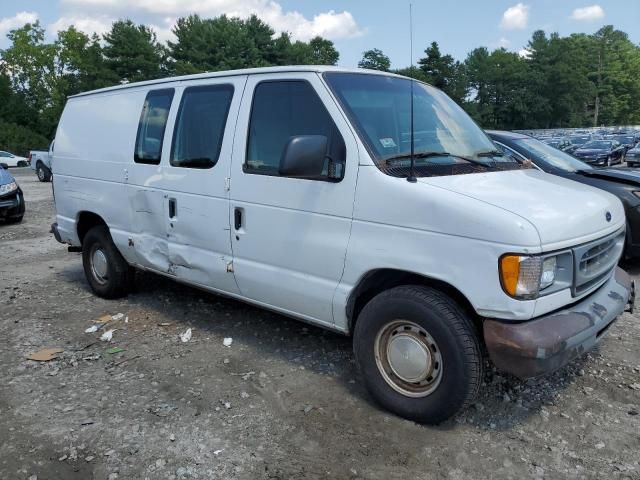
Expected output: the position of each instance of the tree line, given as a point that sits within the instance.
(573, 81)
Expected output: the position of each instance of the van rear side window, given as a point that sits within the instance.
(153, 121)
(200, 125)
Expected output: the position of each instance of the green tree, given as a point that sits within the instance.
(375, 59)
(443, 72)
(132, 52)
(322, 52)
(29, 63)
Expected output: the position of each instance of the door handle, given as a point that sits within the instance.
(173, 208)
(237, 218)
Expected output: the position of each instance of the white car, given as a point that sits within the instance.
(360, 201)
(12, 160)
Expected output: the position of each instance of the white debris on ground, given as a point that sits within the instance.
(227, 341)
(108, 335)
(186, 336)
(92, 329)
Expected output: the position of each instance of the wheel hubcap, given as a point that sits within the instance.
(99, 265)
(408, 358)
(40, 173)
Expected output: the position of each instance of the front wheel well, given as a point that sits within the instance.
(86, 221)
(380, 280)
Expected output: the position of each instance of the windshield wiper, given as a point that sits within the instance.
(490, 153)
(438, 154)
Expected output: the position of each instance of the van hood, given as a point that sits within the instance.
(563, 212)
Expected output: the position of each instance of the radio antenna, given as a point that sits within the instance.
(412, 177)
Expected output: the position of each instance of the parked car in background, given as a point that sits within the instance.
(561, 143)
(600, 152)
(627, 141)
(11, 197)
(41, 163)
(632, 156)
(12, 160)
(296, 189)
(577, 142)
(623, 183)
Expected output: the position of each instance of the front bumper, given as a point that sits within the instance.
(12, 206)
(544, 344)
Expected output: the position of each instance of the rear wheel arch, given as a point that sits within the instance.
(379, 280)
(86, 221)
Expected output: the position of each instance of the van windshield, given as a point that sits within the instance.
(446, 140)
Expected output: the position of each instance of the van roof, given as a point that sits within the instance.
(230, 73)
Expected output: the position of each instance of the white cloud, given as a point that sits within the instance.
(504, 42)
(87, 24)
(330, 24)
(524, 53)
(18, 20)
(516, 17)
(588, 14)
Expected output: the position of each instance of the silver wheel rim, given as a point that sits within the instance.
(40, 173)
(99, 264)
(408, 358)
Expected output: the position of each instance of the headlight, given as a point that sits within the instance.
(523, 277)
(8, 188)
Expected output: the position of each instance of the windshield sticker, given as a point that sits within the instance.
(387, 142)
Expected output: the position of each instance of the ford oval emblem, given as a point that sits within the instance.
(608, 216)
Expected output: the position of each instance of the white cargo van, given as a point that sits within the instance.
(295, 189)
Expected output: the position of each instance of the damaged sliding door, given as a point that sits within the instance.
(195, 181)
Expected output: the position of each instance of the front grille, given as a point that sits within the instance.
(595, 261)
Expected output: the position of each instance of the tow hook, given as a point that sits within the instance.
(632, 298)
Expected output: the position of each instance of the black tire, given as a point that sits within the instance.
(450, 329)
(15, 219)
(43, 173)
(118, 275)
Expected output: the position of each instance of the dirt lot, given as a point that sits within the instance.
(283, 401)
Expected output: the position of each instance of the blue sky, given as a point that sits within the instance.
(354, 25)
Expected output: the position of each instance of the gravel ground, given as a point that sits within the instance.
(284, 401)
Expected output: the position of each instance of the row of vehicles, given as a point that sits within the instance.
(12, 205)
(38, 160)
(602, 147)
(359, 201)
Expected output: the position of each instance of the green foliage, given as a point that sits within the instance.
(226, 43)
(132, 52)
(375, 60)
(443, 72)
(18, 139)
(571, 81)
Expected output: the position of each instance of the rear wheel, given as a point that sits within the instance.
(44, 174)
(107, 272)
(419, 353)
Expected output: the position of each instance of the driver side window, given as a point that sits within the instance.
(283, 109)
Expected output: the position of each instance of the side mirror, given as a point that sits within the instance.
(304, 157)
(4, 165)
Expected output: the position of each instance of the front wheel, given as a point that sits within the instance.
(419, 353)
(106, 270)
